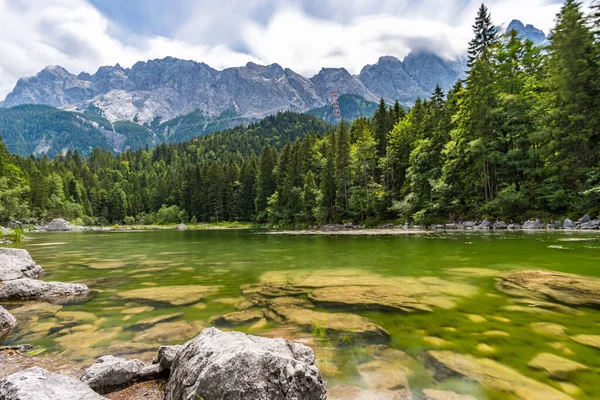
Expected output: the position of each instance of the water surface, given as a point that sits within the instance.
(112, 263)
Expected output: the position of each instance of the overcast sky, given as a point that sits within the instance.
(304, 35)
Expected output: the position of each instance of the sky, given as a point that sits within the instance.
(304, 35)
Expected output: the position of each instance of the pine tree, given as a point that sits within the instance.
(342, 169)
(574, 105)
(328, 184)
(381, 128)
(477, 127)
(265, 181)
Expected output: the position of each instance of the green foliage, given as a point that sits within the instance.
(519, 138)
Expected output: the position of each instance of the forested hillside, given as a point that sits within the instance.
(518, 138)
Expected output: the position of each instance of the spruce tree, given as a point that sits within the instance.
(574, 107)
(342, 169)
(265, 182)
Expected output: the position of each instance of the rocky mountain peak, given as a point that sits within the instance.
(528, 31)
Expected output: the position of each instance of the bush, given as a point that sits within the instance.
(509, 205)
(168, 215)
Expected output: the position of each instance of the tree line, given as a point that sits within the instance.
(519, 138)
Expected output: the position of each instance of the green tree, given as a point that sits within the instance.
(571, 146)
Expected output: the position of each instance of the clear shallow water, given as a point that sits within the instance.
(113, 263)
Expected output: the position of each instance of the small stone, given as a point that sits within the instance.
(166, 355)
(109, 373)
(562, 347)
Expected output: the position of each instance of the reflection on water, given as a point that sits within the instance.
(380, 312)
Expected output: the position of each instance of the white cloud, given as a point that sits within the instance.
(303, 35)
(73, 34)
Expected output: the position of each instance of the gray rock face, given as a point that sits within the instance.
(528, 32)
(485, 224)
(34, 289)
(339, 79)
(218, 365)
(17, 264)
(58, 225)
(38, 384)
(166, 355)
(110, 373)
(533, 224)
(568, 224)
(429, 70)
(171, 87)
(390, 80)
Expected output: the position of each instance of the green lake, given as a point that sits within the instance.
(204, 273)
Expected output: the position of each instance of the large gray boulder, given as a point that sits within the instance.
(110, 373)
(38, 384)
(568, 224)
(217, 365)
(585, 219)
(17, 264)
(59, 225)
(7, 321)
(533, 224)
(595, 224)
(33, 289)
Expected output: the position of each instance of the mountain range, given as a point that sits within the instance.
(171, 99)
(170, 87)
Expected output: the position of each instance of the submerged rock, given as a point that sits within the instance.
(238, 318)
(340, 325)
(490, 374)
(355, 393)
(431, 394)
(170, 332)
(110, 373)
(377, 297)
(17, 264)
(380, 374)
(33, 289)
(556, 367)
(58, 225)
(219, 365)
(549, 328)
(558, 286)
(176, 295)
(588, 340)
(39, 384)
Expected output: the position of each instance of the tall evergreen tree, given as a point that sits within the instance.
(574, 107)
(342, 169)
(265, 181)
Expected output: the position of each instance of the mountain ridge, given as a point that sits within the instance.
(171, 87)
